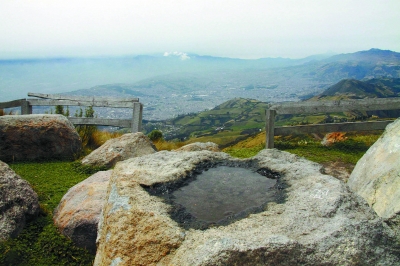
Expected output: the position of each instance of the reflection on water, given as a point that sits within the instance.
(222, 192)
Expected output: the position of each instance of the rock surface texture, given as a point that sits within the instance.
(18, 202)
(77, 215)
(376, 176)
(114, 150)
(321, 222)
(200, 146)
(34, 137)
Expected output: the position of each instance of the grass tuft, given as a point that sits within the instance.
(163, 145)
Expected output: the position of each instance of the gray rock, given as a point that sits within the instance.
(77, 215)
(200, 146)
(376, 176)
(34, 137)
(18, 203)
(321, 222)
(118, 149)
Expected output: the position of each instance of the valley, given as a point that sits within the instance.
(170, 85)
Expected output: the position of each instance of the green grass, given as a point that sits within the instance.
(348, 151)
(40, 243)
(244, 152)
(341, 151)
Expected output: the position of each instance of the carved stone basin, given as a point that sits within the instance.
(162, 209)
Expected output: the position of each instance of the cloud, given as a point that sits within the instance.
(181, 55)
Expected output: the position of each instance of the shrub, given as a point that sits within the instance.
(155, 135)
(59, 110)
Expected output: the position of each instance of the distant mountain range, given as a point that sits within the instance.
(360, 65)
(180, 83)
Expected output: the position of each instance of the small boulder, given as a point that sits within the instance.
(114, 150)
(18, 203)
(77, 215)
(35, 137)
(200, 146)
(376, 176)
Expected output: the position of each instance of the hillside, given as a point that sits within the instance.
(234, 114)
(351, 89)
(356, 89)
(230, 120)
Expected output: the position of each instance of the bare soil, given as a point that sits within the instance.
(338, 169)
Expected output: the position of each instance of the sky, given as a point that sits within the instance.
(228, 28)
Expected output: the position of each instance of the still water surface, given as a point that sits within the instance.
(224, 191)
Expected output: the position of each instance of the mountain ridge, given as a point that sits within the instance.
(358, 89)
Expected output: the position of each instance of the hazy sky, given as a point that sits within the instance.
(230, 28)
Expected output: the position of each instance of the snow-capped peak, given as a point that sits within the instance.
(181, 55)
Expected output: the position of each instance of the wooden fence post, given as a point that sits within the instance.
(269, 128)
(26, 108)
(137, 117)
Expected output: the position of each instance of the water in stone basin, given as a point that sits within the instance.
(222, 192)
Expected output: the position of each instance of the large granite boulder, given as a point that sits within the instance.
(376, 176)
(35, 137)
(316, 220)
(118, 149)
(200, 146)
(18, 203)
(77, 215)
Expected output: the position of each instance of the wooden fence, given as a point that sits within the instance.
(326, 107)
(64, 100)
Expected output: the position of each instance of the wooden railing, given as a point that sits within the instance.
(64, 100)
(326, 107)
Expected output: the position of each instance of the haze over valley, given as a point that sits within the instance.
(179, 83)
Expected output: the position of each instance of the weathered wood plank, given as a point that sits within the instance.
(11, 104)
(100, 121)
(26, 108)
(137, 118)
(269, 128)
(97, 103)
(81, 98)
(332, 127)
(337, 106)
